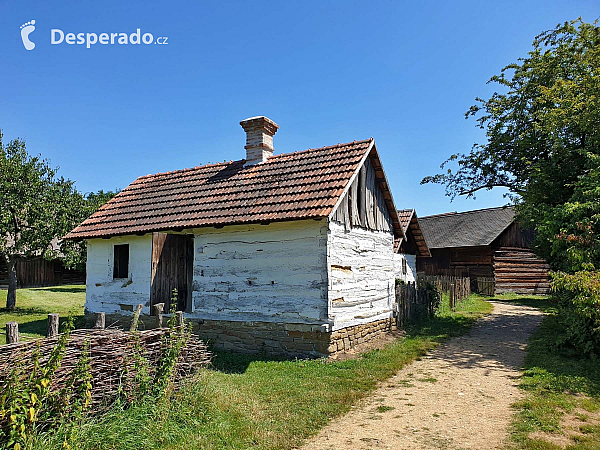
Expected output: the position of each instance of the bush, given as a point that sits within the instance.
(579, 308)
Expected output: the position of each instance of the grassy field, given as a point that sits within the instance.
(562, 404)
(34, 305)
(249, 401)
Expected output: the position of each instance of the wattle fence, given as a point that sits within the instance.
(114, 354)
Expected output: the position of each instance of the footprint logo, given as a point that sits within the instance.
(26, 30)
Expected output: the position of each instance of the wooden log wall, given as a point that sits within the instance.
(37, 272)
(471, 262)
(519, 270)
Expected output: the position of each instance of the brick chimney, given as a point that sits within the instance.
(259, 138)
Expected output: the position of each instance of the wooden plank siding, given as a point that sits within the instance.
(364, 204)
(37, 272)
(172, 268)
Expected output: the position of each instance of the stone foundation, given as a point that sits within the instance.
(289, 340)
(347, 338)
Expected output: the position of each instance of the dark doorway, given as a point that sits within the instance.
(172, 268)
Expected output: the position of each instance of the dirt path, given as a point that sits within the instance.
(458, 396)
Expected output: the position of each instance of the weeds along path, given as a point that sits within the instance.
(457, 396)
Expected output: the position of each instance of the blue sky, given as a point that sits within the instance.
(325, 71)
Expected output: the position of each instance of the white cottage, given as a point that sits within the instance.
(411, 247)
(290, 254)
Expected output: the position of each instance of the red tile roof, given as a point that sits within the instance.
(289, 186)
(405, 215)
(408, 219)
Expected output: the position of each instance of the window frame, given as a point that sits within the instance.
(117, 260)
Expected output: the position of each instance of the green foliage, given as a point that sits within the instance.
(74, 254)
(27, 400)
(434, 295)
(37, 207)
(156, 382)
(543, 144)
(172, 343)
(556, 382)
(579, 303)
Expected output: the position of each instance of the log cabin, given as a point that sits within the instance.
(485, 244)
(287, 254)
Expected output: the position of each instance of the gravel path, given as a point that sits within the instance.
(457, 396)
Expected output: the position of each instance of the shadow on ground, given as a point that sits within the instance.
(70, 289)
(231, 362)
(496, 342)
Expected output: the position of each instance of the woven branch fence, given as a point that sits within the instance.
(111, 358)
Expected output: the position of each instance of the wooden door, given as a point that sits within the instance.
(172, 268)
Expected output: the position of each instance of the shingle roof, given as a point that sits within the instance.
(289, 186)
(408, 219)
(466, 229)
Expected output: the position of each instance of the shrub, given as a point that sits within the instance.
(579, 306)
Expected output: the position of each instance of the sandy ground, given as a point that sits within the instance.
(457, 396)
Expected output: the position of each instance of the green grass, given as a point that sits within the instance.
(562, 391)
(34, 305)
(256, 402)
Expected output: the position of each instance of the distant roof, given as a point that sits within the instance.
(408, 219)
(288, 186)
(405, 215)
(466, 229)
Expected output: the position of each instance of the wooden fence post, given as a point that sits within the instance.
(159, 307)
(52, 328)
(179, 316)
(12, 332)
(100, 321)
(136, 317)
(452, 296)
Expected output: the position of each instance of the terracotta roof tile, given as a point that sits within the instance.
(409, 220)
(289, 186)
(405, 215)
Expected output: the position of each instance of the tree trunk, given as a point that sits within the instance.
(11, 296)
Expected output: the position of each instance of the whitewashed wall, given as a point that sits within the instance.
(272, 273)
(310, 272)
(103, 293)
(411, 267)
(360, 265)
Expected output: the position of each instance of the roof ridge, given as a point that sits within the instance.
(453, 213)
(187, 169)
(327, 147)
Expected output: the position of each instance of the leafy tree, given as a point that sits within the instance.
(36, 207)
(543, 144)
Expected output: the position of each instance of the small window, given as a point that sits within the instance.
(404, 266)
(121, 261)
